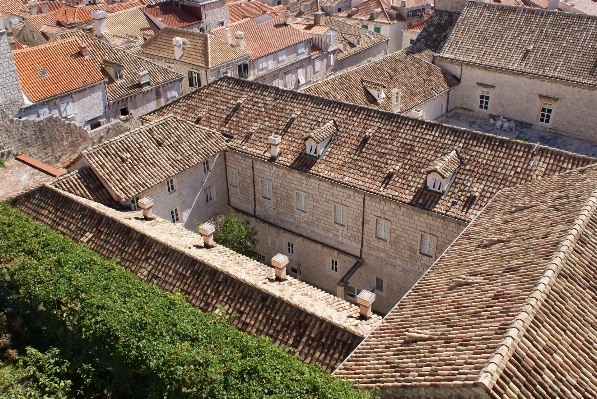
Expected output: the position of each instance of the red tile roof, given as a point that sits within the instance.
(42, 19)
(363, 12)
(42, 167)
(416, 27)
(266, 37)
(170, 15)
(56, 68)
(250, 9)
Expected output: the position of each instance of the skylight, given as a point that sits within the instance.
(43, 73)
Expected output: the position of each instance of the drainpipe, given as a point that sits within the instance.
(254, 188)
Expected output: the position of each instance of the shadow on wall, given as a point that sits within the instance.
(52, 139)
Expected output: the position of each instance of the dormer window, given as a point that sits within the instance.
(441, 172)
(317, 142)
(114, 69)
(375, 89)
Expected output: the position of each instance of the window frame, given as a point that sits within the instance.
(352, 291)
(301, 201)
(546, 112)
(206, 166)
(386, 229)
(344, 211)
(484, 98)
(334, 266)
(170, 186)
(261, 258)
(135, 203)
(266, 193)
(233, 177)
(174, 215)
(209, 197)
(430, 248)
(378, 284)
(290, 248)
(377, 29)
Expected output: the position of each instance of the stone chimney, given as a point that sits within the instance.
(207, 231)
(395, 100)
(44, 9)
(144, 78)
(240, 40)
(279, 262)
(84, 50)
(33, 10)
(229, 36)
(274, 145)
(99, 22)
(287, 17)
(365, 300)
(553, 4)
(179, 44)
(318, 17)
(146, 204)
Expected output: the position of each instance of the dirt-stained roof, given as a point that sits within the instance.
(170, 15)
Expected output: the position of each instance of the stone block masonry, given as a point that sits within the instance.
(11, 96)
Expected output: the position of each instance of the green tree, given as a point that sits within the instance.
(237, 235)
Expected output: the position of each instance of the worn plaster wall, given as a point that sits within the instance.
(11, 95)
(362, 57)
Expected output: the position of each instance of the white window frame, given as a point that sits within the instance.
(332, 61)
(66, 108)
(196, 79)
(261, 258)
(340, 215)
(170, 186)
(300, 48)
(206, 166)
(266, 189)
(262, 63)
(290, 248)
(209, 197)
(382, 229)
(546, 112)
(135, 203)
(174, 215)
(427, 245)
(117, 75)
(233, 177)
(281, 56)
(484, 97)
(334, 266)
(379, 284)
(352, 291)
(301, 201)
(300, 73)
(270, 62)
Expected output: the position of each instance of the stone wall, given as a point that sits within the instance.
(11, 95)
(518, 97)
(362, 57)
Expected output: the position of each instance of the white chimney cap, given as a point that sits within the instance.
(98, 14)
(207, 229)
(274, 139)
(240, 35)
(280, 261)
(366, 298)
(177, 41)
(145, 203)
(143, 77)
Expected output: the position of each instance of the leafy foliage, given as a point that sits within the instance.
(237, 235)
(98, 331)
(2, 165)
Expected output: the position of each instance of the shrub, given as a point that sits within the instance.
(236, 234)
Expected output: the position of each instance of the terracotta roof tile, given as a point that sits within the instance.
(138, 160)
(323, 328)
(131, 24)
(85, 183)
(52, 69)
(364, 12)
(353, 39)
(203, 49)
(509, 308)
(416, 27)
(42, 167)
(367, 143)
(446, 164)
(436, 31)
(13, 7)
(266, 37)
(526, 40)
(42, 19)
(417, 80)
(240, 10)
(170, 15)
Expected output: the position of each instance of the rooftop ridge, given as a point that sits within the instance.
(516, 330)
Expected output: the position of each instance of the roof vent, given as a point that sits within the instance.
(207, 231)
(240, 40)
(99, 22)
(365, 300)
(144, 78)
(274, 145)
(317, 141)
(146, 204)
(43, 73)
(374, 88)
(228, 36)
(395, 100)
(179, 45)
(441, 172)
(279, 262)
(287, 17)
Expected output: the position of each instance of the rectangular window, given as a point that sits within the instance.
(233, 177)
(377, 29)
(340, 215)
(124, 111)
(382, 230)
(206, 166)
(261, 258)
(170, 186)
(66, 108)
(281, 55)
(194, 79)
(266, 189)
(334, 266)
(546, 110)
(270, 62)
(427, 244)
(208, 195)
(243, 70)
(301, 48)
(262, 63)
(484, 100)
(316, 66)
(174, 215)
(301, 201)
(416, 12)
(290, 248)
(365, 26)
(378, 284)
(352, 291)
(301, 75)
(135, 203)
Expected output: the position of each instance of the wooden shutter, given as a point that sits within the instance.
(424, 244)
(379, 229)
(190, 78)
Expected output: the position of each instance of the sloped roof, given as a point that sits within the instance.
(131, 23)
(40, 20)
(101, 52)
(85, 183)
(266, 37)
(327, 130)
(436, 31)
(14, 7)
(323, 328)
(170, 15)
(526, 40)
(363, 12)
(66, 69)
(508, 309)
(446, 164)
(361, 160)
(348, 33)
(240, 10)
(417, 80)
(204, 49)
(138, 160)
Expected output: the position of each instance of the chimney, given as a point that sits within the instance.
(44, 9)
(178, 43)
(403, 3)
(279, 263)
(318, 17)
(240, 40)
(287, 17)
(395, 100)
(242, 3)
(365, 300)
(33, 11)
(552, 4)
(274, 145)
(84, 50)
(229, 36)
(207, 231)
(146, 204)
(143, 78)
(99, 22)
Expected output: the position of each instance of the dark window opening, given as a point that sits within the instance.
(243, 70)
(124, 111)
(95, 125)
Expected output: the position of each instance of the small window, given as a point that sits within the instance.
(484, 100)
(206, 166)
(174, 215)
(208, 195)
(316, 66)
(378, 284)
(135, 203)
(124, 111)
(365, 26)
(270, 62)
(412, 41)
(377, 29)
(262, 63)
(352, 291)
(233, 177)
(225, 72)
(282, 56)
(194, 79)
(301, 201)
(546, 110)
(427, 244)
(294, 270)
(382, 230)
(334, 266)
(170, 186)
(66, 108)
(95, 125)
(117, 75)
(331, 59)
(261, 258)
(290, 248)
(266, 189)
(340, 215)
(301, 48)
